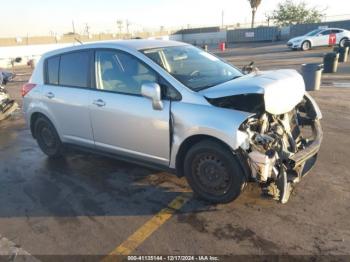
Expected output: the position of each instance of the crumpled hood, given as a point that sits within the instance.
(282, 89)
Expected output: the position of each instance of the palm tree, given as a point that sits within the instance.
(254, 4)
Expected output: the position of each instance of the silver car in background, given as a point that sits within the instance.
(174, 106)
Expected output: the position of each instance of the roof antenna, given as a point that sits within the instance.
(80, 42)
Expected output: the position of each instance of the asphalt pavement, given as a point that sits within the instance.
(85, 204)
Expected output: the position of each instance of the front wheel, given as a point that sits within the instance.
(305, 46)
(213, 172)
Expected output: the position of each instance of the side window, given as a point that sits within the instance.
(336, 31)
(327, 32)
(168, 91)
(75, 69)
(52, 67)
(121, 72)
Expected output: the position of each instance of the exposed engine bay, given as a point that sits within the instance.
(282, 148)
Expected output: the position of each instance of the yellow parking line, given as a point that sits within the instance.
(149, 227)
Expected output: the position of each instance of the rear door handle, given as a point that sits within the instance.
(99, 103)
(50, 95)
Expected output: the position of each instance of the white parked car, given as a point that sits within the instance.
(319, 37)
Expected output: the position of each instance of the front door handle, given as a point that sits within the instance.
(99, 103)
(50, 95)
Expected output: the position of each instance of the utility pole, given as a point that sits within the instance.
(120, 25)
(268, 18)
(127, 26)
(87, 29)
(222, 18)
(73, 27)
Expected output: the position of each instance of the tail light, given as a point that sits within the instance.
(26, 88)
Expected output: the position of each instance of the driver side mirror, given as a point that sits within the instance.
(153, 92)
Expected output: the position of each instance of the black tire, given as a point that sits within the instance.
(305, 46)
(213, 172)
(342, 42)
(47, 138)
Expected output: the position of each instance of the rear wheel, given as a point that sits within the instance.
(342, 42)
(47, 138)
(306, 46)
(213, 172)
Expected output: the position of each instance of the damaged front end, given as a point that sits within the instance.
(282, 147)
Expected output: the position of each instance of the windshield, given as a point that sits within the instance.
(193, 67)
(314, 32)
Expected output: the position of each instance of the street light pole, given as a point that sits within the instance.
(222, 18)
(73, 27)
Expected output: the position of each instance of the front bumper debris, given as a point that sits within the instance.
(284, 148)
(312, 149)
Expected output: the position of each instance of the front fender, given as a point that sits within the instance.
(194, 119)
(311, 40)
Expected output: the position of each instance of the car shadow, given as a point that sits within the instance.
(81, 184)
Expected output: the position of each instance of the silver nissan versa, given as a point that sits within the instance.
(179, 108)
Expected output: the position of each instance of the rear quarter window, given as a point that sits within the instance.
(336, 31)
(52, 68)
(75, 69)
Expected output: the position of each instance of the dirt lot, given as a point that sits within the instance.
(86, 204)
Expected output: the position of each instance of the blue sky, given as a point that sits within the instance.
(38, 17)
